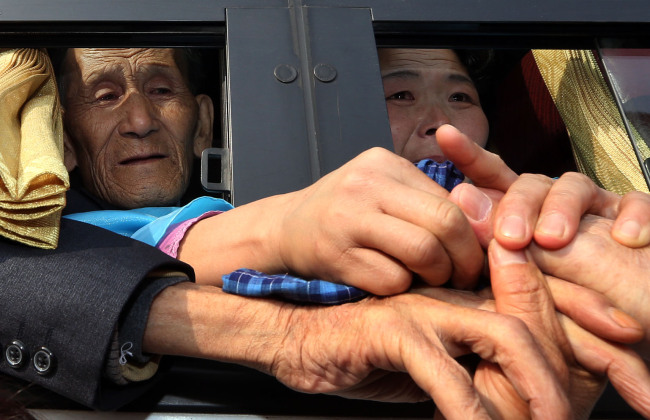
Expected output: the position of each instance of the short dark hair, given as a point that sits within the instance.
(479, 64)
(188, 60)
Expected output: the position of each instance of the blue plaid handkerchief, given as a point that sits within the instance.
(445, 173)
(248, 282)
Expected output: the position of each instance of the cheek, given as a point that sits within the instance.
(399, 128)
(181, 125)
(91, 135)
(475, 125)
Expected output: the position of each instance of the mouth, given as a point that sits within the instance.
(142, 159)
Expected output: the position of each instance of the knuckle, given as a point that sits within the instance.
(377, 154)
(536, 178)
(423, 251)
(449, 219)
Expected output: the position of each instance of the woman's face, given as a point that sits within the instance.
(425, 89)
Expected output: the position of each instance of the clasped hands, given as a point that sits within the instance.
(377, 220)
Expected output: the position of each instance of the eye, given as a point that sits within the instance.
(404, 95)
(162, 90)
(107, 97)
(460, 97)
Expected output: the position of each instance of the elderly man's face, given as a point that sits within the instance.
(133, 124)
(425, 89)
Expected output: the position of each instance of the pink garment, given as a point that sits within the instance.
(174, 236)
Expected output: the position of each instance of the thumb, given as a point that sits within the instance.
(478, 205)
(521, 290)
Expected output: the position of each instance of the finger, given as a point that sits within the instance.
(478, 207)
(520, 290)
(485, 169)
(447, 222)
(519, 356)
(375, 162)
(383, 259)
(448, 384)
(518, 347)
(569, 198)
(594, 312)
(517, 212)
(624, 368)
(632, 226)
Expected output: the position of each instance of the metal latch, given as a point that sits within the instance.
(216, 170)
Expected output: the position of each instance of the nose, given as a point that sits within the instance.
(434, 115)
(139, 117)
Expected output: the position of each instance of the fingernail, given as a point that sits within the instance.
(623, 319)
(475, 204)
(513, 227)
(553, 224)
(503, 256)
(631, 229)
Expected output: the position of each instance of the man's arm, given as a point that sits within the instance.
(372, 224)
(69, 301)
(398, 348)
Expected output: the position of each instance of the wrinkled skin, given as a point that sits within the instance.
(132, 125)
(581, 360)
(596, 261)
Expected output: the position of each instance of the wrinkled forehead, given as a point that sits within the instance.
(392, 59)
(86, 62)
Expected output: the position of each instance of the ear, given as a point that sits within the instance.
(69, 155)
(203, 135)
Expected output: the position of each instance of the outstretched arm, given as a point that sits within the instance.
(398, 348)
(370, 224)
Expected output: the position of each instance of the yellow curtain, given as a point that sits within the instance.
(32, 174)
(599, 140)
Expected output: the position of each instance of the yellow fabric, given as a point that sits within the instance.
(599, 140)
(33, 178)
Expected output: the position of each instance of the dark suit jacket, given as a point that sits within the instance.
(69, 301)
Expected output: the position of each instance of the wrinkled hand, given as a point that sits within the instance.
(581, 360)
(595, 261)
(397, 348)
(363, 350)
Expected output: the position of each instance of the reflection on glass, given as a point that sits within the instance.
(628, 70)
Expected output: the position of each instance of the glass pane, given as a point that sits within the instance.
(628, 70)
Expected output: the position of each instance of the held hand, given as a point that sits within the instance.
(588, 358)
(537, 206)
(398, 348)
(595, 261)
(372, 224)
(364, 350)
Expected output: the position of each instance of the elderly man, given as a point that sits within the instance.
(135, 127)
(324, 230)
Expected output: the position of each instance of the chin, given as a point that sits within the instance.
(148, 198)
